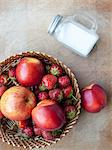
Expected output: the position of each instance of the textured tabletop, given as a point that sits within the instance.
(23, 26)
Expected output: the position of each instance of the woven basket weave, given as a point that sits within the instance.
(9, 136)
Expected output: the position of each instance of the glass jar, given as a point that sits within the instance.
(74, 34)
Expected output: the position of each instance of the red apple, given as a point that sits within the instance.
(48, 115)
(17, 103)
(29, 71)
(93, 98)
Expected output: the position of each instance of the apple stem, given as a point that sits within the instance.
(75, 98)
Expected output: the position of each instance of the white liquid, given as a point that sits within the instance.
(77, 38)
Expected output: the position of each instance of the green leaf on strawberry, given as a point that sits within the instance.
(42, 87)
(57, 133)
(56, 70)
(68, 93)
(70, 115)
(70, 112)
(71, 94)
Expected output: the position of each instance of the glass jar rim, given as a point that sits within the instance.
(54, 23)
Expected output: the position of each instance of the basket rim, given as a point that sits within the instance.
(72, 122)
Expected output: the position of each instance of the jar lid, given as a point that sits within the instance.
(54, 23)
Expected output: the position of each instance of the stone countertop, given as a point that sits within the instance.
(23, 26)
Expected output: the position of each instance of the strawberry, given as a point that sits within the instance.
(64, 81)
(12, 73)
(68, 91)
(37, 131)
(28, 131)
(22, 124)
(56, 94)
(3, 79)
(56, 70)
(43, 95)
(70, 112)
(2, 89)
(49, 81)
(42, 87)
(47, 135)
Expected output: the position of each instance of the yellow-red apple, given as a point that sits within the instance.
(17, 103)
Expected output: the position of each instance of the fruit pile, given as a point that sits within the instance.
(38, 96)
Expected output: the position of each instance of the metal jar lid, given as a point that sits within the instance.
(54, 23)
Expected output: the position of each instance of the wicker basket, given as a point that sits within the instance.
(6, 135)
